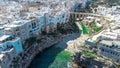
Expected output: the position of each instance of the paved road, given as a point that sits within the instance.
(78, 24)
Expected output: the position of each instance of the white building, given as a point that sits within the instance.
(18, 29)
(110, 35)
(1, 30)
(113, 13)
(101, 10)
(110, 50)
(7, 41)
(88, 20)
(57, 17)
(6, 58)
(10, 47)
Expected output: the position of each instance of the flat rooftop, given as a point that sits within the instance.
(110, 42)
(4, 37)
(1, 56)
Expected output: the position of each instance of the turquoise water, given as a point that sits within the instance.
(54, 57)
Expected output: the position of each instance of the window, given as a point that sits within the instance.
(58, 18)
(17, 29)
(106, 45)
(117, 60)
(30, 31)
(0, 61)
(18, 34)
(13, 52)
(110, 47)
(111, 52)
(29, 26)
(66, 19)
(102, 49)
(62, 16)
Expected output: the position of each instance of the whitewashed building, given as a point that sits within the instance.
(7, 41)
(110, 49)
(6, 58)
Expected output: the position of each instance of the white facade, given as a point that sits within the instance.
(1, 30)
(101, 10)
(25, 27)
(113, 13)
(6, 58)
(7, 41)
(18, 29)
(110, 35)
(110, 50)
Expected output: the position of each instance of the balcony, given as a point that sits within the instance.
(6, 38)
